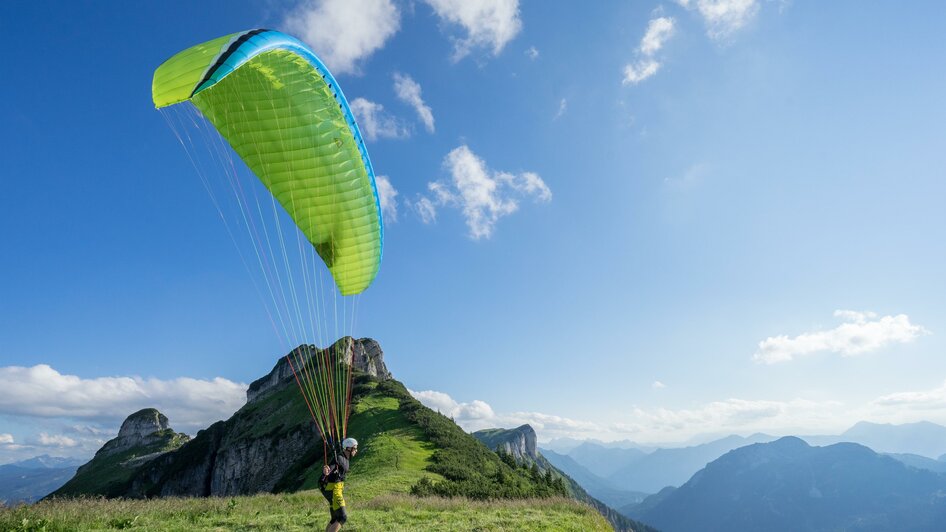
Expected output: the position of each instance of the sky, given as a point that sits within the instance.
(648, 221)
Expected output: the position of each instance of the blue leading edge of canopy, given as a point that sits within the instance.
(248, 45)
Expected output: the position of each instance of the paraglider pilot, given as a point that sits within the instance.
(332, 483)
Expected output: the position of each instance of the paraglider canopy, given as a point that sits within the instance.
(283, 113)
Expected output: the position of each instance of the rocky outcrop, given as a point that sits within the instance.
(519, 442)
(143, 428)
(364, 354)
(144, 437)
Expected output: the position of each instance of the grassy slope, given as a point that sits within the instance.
(302, 511)
(396, 452)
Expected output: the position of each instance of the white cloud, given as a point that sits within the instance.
(532, 53)
(657, 385)
(6, 439)
(562, 107)
(344, 32)
(723, 17)
(190, 404)
(488, 23)
(408, 91)
(934, 399)
(388, 196)
(659, 30)
(652, 425)
(478, 415)
(638, 72)
(483, 196)
(375, 123)
(727, 416)
(55, 440)
(426, 210)
(863, 332)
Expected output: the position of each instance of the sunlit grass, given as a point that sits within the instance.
(304, 510)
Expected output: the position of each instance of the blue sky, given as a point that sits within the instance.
(727, 216)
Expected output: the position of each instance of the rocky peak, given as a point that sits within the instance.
(144, 428)
(363, 354)
(520, 442)
(143, 423)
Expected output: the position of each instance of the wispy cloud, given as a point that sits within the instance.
(482, 195)
(861, 333)
(648, 425)
(532, 53)
(375, 123)
(657, 385)
(562, 107)
(409, 92)
(6, 439)
(659, 30)
(723, 17)
(41, 391)
(489, 24)
(344, 32)
(388, 196)
(426, 209)
(934, 399)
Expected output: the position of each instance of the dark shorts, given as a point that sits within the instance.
(339, 516)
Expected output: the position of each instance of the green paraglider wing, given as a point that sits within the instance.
(283, 113)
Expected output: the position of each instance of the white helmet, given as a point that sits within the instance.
(349, 443)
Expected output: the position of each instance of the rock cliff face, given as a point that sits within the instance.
(520, 442)
(142, 428)
(263, 446)
(364, 354)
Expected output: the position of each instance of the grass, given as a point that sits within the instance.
(304, 510)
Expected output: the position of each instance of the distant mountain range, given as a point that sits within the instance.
(787, 485)
(923, 438)
(599, 488)
(630, 468)
(32, 479)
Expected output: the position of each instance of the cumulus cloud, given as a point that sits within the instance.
(374, 122)
(726, 416)
(659, 30)
(55, 440)
(482, 195)
(191, 404)
(478, 415)
(723, 17)
(656, 424)
(344, 32)
(6, 439)
(657, 385)
(388, 196)
(861, 333)
(489, 24)
(409, 92)
(532, 53)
